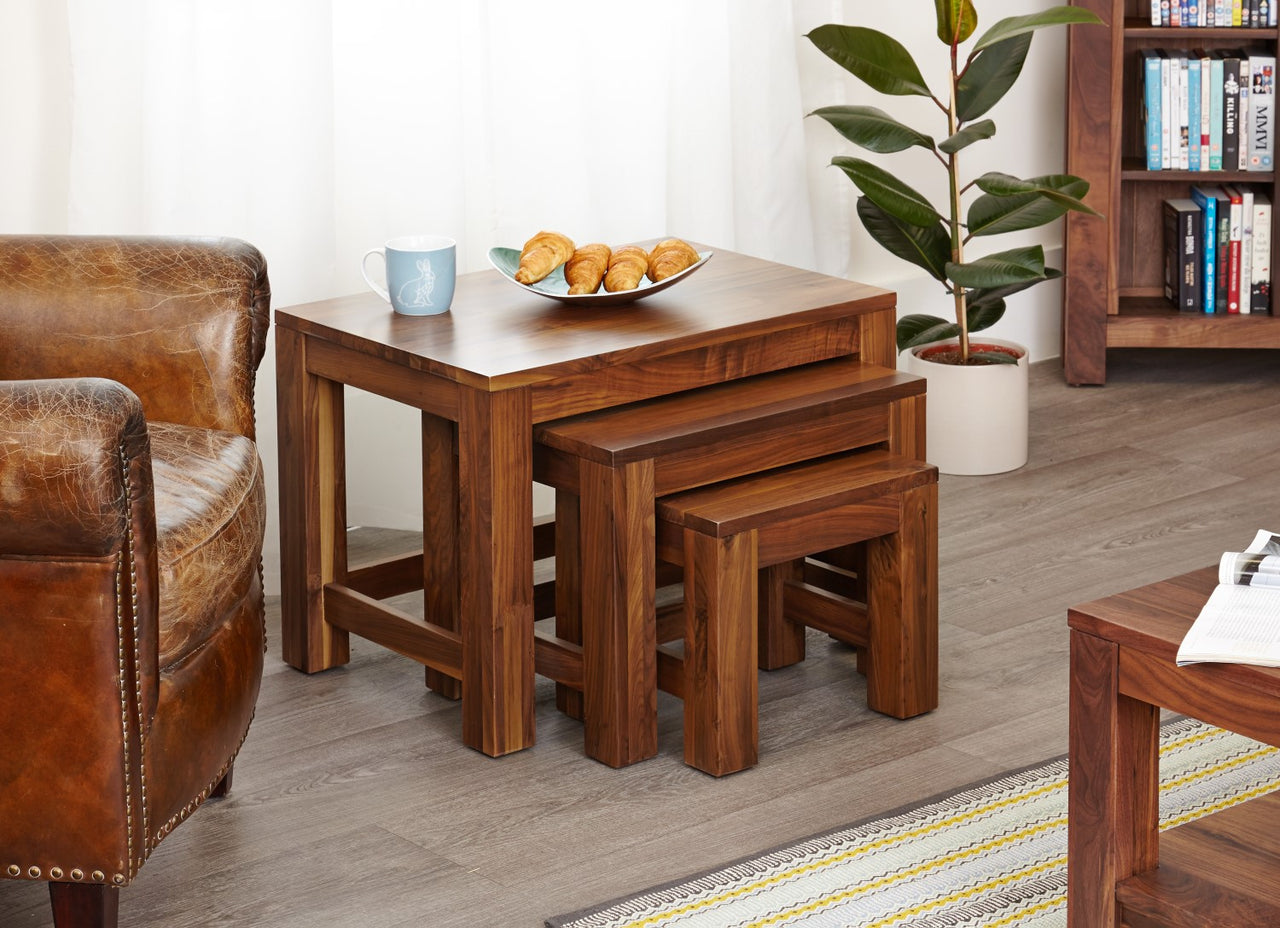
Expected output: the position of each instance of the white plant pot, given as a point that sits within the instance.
(975, 416)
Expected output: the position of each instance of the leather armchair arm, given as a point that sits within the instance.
(78, 626)
(74, 468)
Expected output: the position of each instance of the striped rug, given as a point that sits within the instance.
(988, 856)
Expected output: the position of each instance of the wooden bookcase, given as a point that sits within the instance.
(1113, 290)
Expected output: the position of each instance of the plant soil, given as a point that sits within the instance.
(950, 354)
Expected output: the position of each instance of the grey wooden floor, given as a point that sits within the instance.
(354, 803)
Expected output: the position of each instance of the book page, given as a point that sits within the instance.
(1238, 624)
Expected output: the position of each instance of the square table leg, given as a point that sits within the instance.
(901, 659)
(495, 569)
(313, 538)
(1113, 784)
(440, 537)
(619, 624)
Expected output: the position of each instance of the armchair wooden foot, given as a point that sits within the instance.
(223, 786)
(84, 905)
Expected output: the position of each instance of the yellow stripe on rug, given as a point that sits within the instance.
(989, 856)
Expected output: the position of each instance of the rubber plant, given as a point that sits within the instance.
(901, 219)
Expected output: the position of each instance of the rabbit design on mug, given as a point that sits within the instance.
(417, 292)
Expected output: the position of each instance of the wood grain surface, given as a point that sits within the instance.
(355, 802)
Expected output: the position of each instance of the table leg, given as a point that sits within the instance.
(902, 610)
(907, 428)
(440, 536)
(1113, 785)
(619, 624)
(313, 539)
(720, 687)
(878, 338)
(568, 582)
(495, 569)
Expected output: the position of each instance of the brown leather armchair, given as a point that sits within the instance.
(132, 512)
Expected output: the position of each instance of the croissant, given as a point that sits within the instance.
(541, 255)
(670, 256)
(586, 268)
(628, 264)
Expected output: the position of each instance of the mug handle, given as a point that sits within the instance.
(364, 270)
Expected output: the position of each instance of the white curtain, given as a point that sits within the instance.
(316, 130)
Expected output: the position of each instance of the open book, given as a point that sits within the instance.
(1241, 621)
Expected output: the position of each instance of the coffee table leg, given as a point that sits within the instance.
(1113, 785)
(440, 536)
(313, 538)
(495, 569)
(619, 625)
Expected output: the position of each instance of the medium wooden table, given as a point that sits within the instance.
(483, 374)
(1222, 870)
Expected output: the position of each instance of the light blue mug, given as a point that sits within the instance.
(420, 272)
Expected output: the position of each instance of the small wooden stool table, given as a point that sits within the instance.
(502, 360)
(1221, 870)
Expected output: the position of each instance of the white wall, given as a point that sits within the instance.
(1029, 142)
(299, 185)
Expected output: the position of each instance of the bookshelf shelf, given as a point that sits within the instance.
(1150, 322)
(1113, 287)
(1135, 169)
(1141, 28)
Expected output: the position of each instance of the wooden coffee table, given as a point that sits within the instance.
(1222, 870)
(483, 374)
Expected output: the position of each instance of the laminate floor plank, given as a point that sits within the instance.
(355, 803)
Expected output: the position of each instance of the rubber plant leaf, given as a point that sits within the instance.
(887, 192)
(956, 20)
(989, 75)
(1018, 25)
(873, 129)
(967, 136)
(1000, 269)
(1043, 201)
(928, 247)
(918, 329)
(985, 315)
(1066, 188)
(878, 60)
(978, 298)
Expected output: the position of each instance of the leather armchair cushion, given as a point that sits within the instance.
(210, 517)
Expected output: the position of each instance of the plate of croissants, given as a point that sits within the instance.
(551, 265)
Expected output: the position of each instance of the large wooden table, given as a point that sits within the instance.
(483, 374)
(1222, 870)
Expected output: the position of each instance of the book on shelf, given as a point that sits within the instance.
(1248, 14)
(1206, 68)
(1224, 239)
(1199, 113)
(1215, 112)
(1230, 112)
(1262, 105)
(1151, 107)
(1246, 248)
(1260, 289)
(1242, 131)
(1192, 92)
(1182, 253)
(1235, 242)
(1178, 156)
(1240, 623)
(1207, 199)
